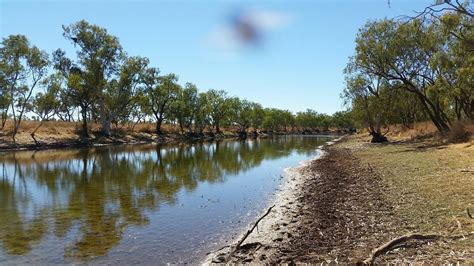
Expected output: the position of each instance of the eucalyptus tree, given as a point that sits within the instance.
(257, 116)
(120, 93)
(99, 56)
(45, 105)
(287, 119)
(406, 109)
(66, 110)
(402, 55)
(343, 120)
(306, 119)
(455, 20)
(161, 93)
(202, 110)
(242, 111)
(455, 63)
(219, 102)
(245, 114)
(22, 67)
(185, 107)
(371, 98)
(77, 92)
(277, 119)
(271, 119)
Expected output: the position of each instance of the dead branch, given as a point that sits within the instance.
(469, 214)
(397, 241)
(237, 246)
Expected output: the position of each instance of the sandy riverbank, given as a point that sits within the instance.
(356, 197)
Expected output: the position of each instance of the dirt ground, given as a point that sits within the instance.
(361, 195)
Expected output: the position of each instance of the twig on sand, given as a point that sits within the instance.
(469, 214)
(397, 241)
(393, 243)
(237, 246)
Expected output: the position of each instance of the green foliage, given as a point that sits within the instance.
(310, 120)
(161, 93)
(186, 106)
(46, 104)
(203, 108)
(403, 72)
(257, 116)
(220, 107)
(22, 67)
(99, 57)
(343, 120)
(242, 112)
(120, 94)
(276, 119)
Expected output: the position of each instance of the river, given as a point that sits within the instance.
(138, 203)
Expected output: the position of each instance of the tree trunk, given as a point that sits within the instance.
(34, 131)
(218, 130)
(4, 119)
(105, 120)
(435, 117)
(158, 126)
(469, 110)
(106, 123)
(84, 132)
(377, 137)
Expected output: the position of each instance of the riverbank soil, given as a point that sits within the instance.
(57, 134)
(360, 196)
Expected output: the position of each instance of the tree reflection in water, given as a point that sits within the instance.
(98, 192)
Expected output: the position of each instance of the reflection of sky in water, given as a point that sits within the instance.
(137, 203)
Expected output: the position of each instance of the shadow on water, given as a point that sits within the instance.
(97, 193)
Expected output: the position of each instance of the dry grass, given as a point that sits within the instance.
(430, 184)
(59, 132)
(51, 131)
(419, 130)
(461, 132)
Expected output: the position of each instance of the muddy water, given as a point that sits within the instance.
(141, 203)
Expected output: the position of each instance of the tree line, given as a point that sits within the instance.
(103, 84)
(414, 69)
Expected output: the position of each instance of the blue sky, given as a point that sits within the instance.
(296, 65)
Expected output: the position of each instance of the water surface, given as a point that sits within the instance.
(138, 203)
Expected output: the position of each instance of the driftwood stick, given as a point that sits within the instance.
(397, 241)
(393, 243)
(237, 246)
